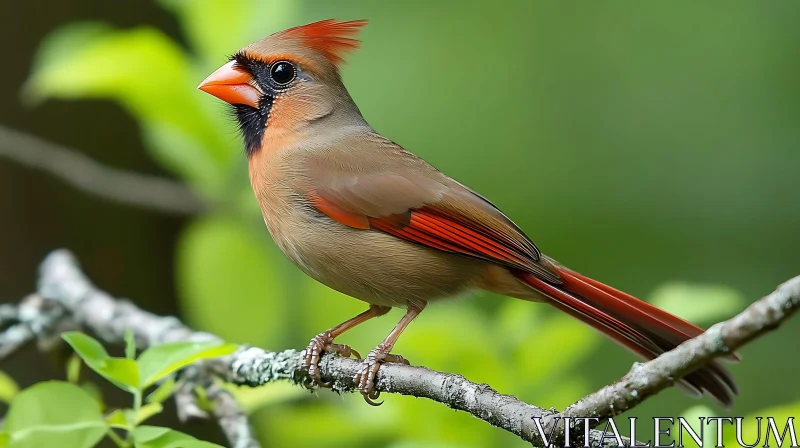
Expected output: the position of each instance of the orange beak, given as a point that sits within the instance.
(232, 85)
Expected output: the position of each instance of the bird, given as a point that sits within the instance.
(368, 218)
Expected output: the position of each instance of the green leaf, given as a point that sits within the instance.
(181, 128)
(118, 419)
(162, 392)
(698, 303)
(74, 368)
(148, 433)
(87, 347)
(54, 414)
(158, 437)
(230, 282)
(203, 402)
(220, 27)
(94, 391)
(124, 373)
(148, 411)
(130, 344)
(8, 387)
(161, 360)
(5, 438)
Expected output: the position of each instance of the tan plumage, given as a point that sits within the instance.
(364, 216)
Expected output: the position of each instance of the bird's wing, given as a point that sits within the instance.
(385, 188)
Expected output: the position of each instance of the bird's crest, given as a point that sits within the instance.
(331, 38)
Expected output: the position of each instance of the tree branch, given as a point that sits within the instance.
(66, 298)
(98, 180)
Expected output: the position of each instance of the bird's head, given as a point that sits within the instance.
(288, 80)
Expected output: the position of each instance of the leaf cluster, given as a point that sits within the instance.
(71, 414)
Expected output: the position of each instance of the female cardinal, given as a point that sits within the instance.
(365, 217)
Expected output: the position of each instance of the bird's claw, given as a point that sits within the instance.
(371, 397)
(320, 344)
(365, 377)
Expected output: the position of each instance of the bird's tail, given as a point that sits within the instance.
(637, 325)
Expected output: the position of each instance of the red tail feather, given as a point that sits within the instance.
(642, 328)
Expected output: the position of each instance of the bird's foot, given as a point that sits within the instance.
(323, 343)
(365, 378)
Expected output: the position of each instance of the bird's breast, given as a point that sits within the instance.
(369, 265)
(278, 200)
(366, 264)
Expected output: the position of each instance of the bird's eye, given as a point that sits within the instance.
(282, 72)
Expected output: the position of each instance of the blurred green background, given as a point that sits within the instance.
(654, 146)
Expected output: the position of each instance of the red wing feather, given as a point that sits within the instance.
(417, 236)
(433, 228)
(339, 214)
(440, 227)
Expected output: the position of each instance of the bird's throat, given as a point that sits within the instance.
(253, 123)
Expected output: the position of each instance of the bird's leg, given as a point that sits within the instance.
(323, 342)
(365, 378)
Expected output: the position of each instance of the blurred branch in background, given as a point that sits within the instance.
(67, 299)
(91, 177)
